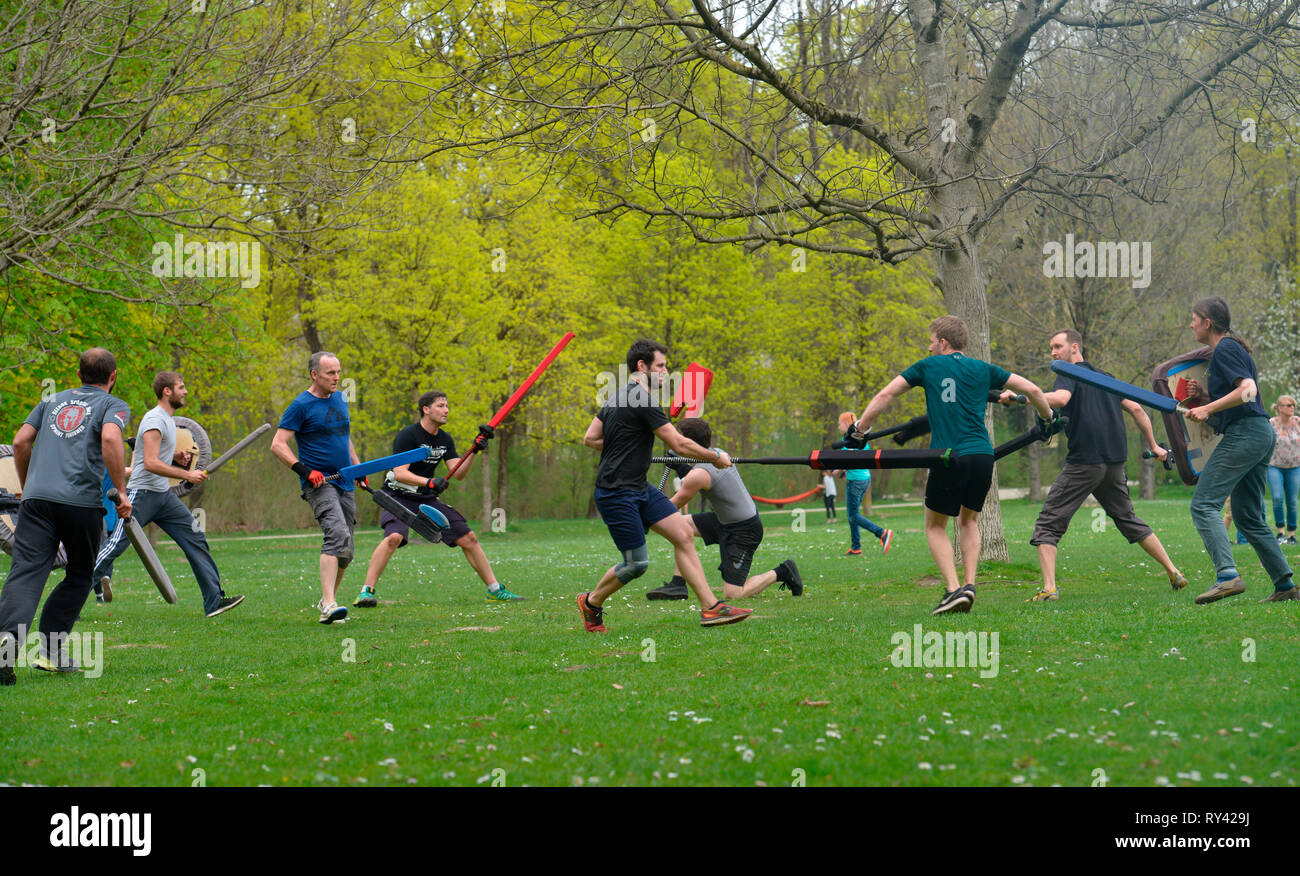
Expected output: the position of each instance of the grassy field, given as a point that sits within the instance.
(1122, 675)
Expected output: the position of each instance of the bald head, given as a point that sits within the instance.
(97, 366)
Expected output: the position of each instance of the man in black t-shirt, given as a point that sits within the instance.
(624, 432)
(1094, 465)
(414, 485)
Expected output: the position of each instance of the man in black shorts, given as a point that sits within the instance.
(956, 396)
(733, 525)
(414, 485)
(624, 432)
(1094, 466)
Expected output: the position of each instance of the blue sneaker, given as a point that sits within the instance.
(503, 595)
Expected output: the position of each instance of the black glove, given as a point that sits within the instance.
(851, 442)
(437, 485)
(1048, 428)
(487, 431)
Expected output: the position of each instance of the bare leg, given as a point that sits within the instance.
(936, 536)
(379, 559)
(330, 576)
(608, 586)
(477, 559)
(681, 533)
(1047, 559)
(1152, 545)
(969, 530)
(754, 585)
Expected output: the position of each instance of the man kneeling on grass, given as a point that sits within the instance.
(734, 526)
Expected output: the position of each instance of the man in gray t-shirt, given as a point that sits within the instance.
(61, 453)
(153, 462)
(734, 526)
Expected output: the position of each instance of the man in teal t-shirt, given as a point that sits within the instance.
(956, 396)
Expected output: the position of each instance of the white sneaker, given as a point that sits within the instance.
(331, 612)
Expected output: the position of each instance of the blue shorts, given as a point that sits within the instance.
(628, 514)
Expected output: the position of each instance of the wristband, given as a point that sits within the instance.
(301, 469)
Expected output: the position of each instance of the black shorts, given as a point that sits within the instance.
(455, 529)
(964, 484)
(737, 542)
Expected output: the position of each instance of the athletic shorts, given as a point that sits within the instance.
(456, 528)
(628, 513)
(736, 541)
(963, 484)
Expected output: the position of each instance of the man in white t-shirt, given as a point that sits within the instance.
(150, 495)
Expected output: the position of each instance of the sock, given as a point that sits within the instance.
(1225, 577)
(493, 587)
(782, 573)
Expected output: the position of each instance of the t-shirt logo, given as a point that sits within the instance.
(69, 418)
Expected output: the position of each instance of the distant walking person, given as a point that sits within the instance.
(828, 494)
(1284, 468)
(857, 483)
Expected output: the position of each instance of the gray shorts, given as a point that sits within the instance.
(336, 512)
(1108, 482)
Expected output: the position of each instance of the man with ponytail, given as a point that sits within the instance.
(1238, 467)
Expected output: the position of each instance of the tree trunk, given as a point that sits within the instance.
(485, 518)
(1147, 480)
(1035, 473)
(503, 447)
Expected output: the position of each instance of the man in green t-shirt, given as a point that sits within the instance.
(956, 396)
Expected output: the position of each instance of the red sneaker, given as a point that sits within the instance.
(853, 552)
(887, 540)
(723, 614)
(592, 618)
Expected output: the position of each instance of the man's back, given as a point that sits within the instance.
(67, 464)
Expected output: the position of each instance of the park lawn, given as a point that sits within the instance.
(1122, 681)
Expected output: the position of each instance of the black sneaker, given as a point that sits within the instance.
(226, 604)
(956, 600)
(969, 590)
(669, 590)
(795, 582)
(1290, 539)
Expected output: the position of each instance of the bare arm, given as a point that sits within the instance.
(23, 443)
(150, 444)
(1144, 426)
(281, 449)
(114, 452)
(1245, 389)
(697, 479)
(595, 437)
(1037, 397)
(683, 446)
(882, 400)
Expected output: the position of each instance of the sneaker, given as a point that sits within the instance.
(99, 597)
(1045, 596)
(1292, 592)
(956, 600)
(1222, 590)
(592, 618)
(8, 656)
(796, 582)
(969, 590)
(106, 585)
(1178, 581)
(60, 663)
(366, 599)
(503, 595)
(669, 590)
(331, 612)
(723, 614)
(226, 604)
(1290, 539)
(886, 539)
(853, 552)
(1281, 538)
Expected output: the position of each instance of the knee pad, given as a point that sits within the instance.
(634, 565)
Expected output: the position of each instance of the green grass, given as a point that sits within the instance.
(1121, 675)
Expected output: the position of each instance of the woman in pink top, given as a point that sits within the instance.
(1284, 467)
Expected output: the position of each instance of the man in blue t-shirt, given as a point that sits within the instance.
(956, 398)
(318, 421)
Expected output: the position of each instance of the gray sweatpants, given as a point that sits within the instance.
(336, 512)
(171, 515)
